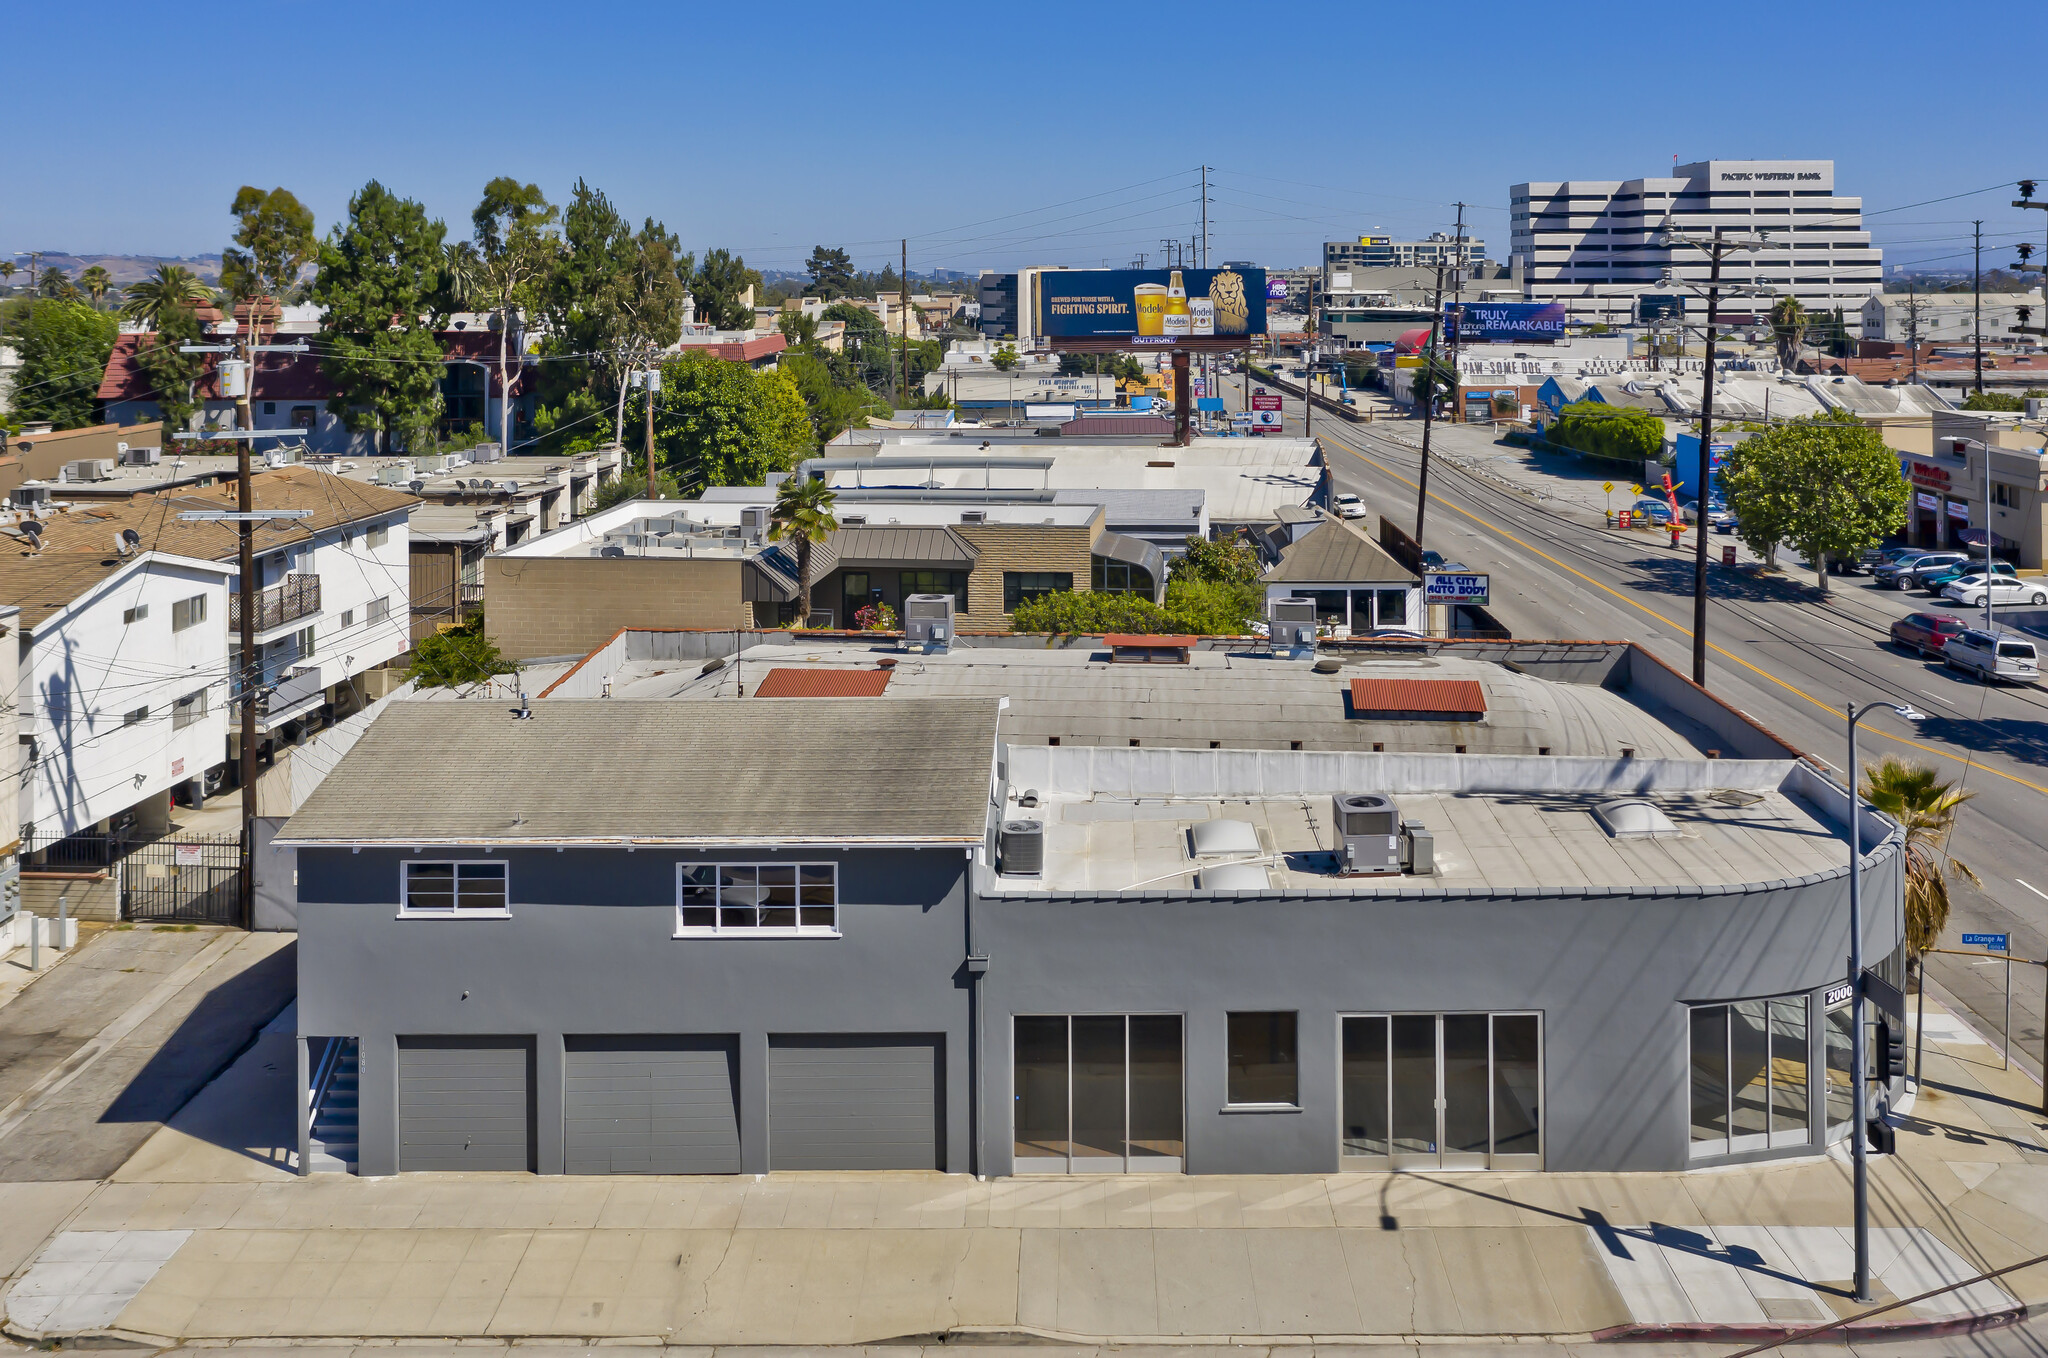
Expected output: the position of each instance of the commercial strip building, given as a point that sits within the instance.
(1379, 252)
(899, 932)
(1944, 462)
(1594, 245)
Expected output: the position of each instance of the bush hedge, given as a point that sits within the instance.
(1604, 431)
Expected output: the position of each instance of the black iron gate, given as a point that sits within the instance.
(194, 879)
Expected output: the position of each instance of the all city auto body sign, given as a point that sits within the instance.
(1447, 588)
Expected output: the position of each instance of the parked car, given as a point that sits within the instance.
(2004, 589)
(1993, 655)
(1909, 570)
(1349, 507)
(1926, 634)
(1719, 516)
(1656, 511)
(1434, 562)
(1934, 584)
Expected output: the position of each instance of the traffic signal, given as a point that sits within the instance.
(1883, 1139)
(1891, 1051)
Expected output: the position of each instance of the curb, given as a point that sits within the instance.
(1699, 1332)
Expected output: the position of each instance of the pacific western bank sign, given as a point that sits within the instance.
(1771, 176)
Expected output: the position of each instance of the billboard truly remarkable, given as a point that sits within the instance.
(1503, 322)
(1148, 306)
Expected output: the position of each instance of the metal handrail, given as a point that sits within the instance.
(323, 1077)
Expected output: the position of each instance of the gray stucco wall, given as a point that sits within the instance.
(589, 950)
(1611, 975)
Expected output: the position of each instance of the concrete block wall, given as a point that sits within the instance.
(541, 606)
(1022, 547)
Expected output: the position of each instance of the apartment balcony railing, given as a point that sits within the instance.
(297, 597)
(472, 593)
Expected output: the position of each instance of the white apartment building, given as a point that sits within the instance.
(1949, 317)
(1594, 244)
(122, 691)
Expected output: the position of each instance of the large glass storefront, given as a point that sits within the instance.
(1099, 1094)
(1751, 1088)
(1442, 1091)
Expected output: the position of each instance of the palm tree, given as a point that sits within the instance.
(1788, 322)
(1925, 806)
(803, 513)
(55, 283)
(97, 282)
(170, 286)
(8, 268)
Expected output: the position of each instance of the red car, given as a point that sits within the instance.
(1926, 633)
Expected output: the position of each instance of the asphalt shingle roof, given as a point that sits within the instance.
(598, 770)
(1335, 554)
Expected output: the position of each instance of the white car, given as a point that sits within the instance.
(2004, 590)
(1349, 507)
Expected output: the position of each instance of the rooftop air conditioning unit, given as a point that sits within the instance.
(487, 452)
(141, 457)
(89, 469)
(29, 497)
(928, 621)
(1020, 849)
(1292, 623)
(395, 475)
(754, 522)
(1369, 829)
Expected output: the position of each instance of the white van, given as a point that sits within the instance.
(1989, 655)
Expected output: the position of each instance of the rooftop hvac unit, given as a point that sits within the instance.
(29, 497)
(1369, 832)
(394, 475)
(928, 621)
(89, 469)
(1020, 849)
(754, 522)
(487, 452)
(141, 457)
(1292, 623)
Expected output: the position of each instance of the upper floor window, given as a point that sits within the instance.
(135, 614)
(455, 890)
(188, 709)
(378, 536)
(188, 612)
(757, 899)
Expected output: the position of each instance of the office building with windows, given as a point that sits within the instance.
(1384, 252)
(1504, 913)
(1596, 245)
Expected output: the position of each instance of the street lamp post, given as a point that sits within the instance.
(1859, 1055)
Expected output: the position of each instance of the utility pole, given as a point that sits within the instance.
(1457, 300)
(2026, 249)
(903, 279)
(1913, 327)
(1706, 461)
(652, 384)
(246, 595)
(1977, 322)
(1428, 395)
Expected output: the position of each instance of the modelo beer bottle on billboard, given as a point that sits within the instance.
(1150, 305)
(1178, 322)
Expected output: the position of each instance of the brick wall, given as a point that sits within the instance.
(535, 606)
(1022, 547)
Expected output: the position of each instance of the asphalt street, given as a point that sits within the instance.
(1777, 649)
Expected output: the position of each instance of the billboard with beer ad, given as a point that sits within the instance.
(1149, 306)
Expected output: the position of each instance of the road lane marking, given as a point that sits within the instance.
(1966, 760)
(2031, 887)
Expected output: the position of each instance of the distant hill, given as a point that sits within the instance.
(127, 269)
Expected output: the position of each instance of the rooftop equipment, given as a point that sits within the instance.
(928, 622)
(1368, 834)
(1292, 623)
(1020, 848)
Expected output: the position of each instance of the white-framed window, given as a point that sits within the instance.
(188, 612)
(348, 617)
(380, 609)
(378, 536)
(463, 889)
(757, 900)
(188, 709)
(136, 717)
(131, 616)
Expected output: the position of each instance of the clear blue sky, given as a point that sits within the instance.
(999, 135)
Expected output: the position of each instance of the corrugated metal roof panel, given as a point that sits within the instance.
(785, 682)
(1374, 696)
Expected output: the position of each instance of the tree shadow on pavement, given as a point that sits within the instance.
(2017, 738)
(1671, 573)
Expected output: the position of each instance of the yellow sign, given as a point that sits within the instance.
(1607, 486)
(1635, 490)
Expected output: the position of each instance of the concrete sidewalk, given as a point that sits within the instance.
(208, 1243)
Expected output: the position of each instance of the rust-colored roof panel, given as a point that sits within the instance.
(1417, 695)
(785, 682)
(1116, 639)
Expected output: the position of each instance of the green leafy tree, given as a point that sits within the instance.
(1226, 561)
(1788, 328)
(1435, 380)
(634, 485)
(1993, 400)
(461, 654)
(724, 424)
(274, 242)
(171, 285)
(720, 286)
(1615, 432)
(97, 283)
(833, 405)
(1826, 484)
(173, 375)
(1214, 608)
(382, 280)
(512, 248)
(800, 330)
(1925, 805)
(802, 515)
(831, 272)
(63, 348)
(1004, 358)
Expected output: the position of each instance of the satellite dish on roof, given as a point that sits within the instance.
(418, 486)
(473, 484)
(33, 531)
(132, 538)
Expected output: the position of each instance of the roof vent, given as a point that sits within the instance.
(1635, 818)
(1224, 839)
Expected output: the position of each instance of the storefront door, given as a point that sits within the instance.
(1098, 1094)
(1442, 1091)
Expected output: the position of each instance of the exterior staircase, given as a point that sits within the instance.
(334, 1110)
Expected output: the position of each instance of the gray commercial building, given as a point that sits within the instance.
(730, 935)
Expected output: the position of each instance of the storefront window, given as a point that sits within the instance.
(1749, 1076)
